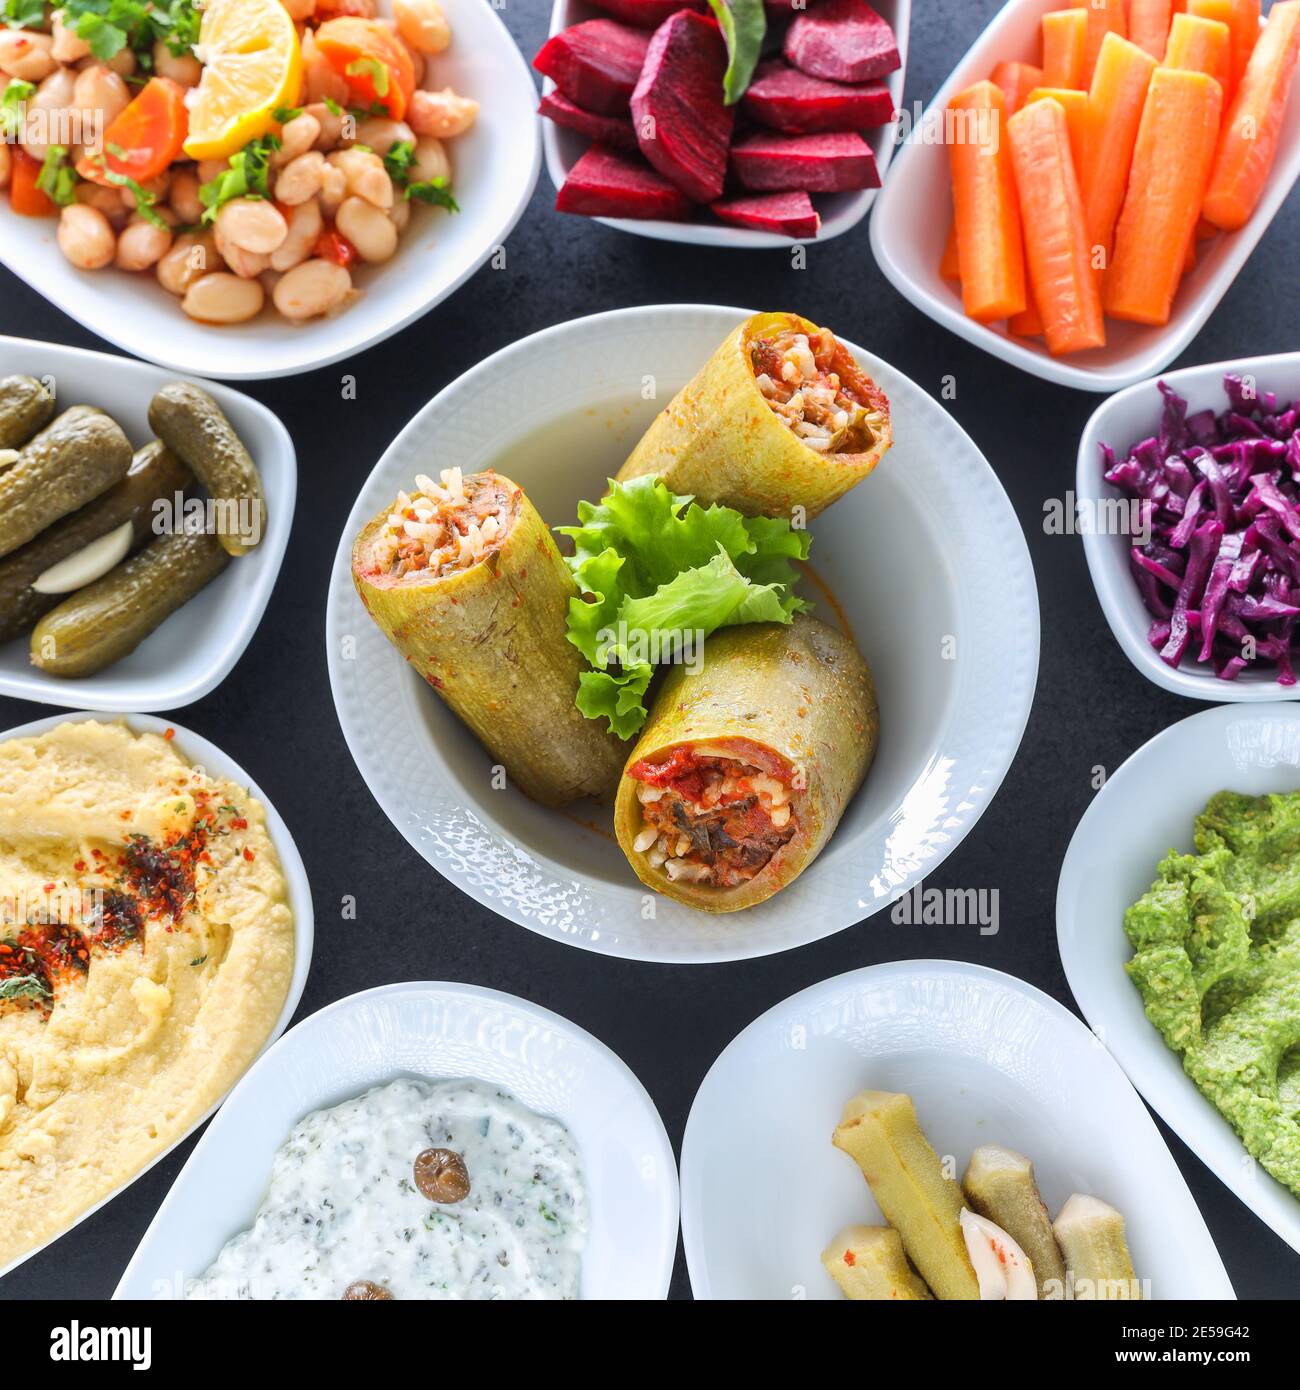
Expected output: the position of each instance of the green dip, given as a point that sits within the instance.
(1217, 959)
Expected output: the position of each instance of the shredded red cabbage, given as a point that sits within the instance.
(1220, 500)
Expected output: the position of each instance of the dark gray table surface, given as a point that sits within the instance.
(274, 713)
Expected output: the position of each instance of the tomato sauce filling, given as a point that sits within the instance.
(442, 527)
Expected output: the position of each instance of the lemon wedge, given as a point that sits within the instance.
(252, 65)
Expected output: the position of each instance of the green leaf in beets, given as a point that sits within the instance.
(744, 27)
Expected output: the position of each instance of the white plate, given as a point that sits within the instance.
(925, 549)
(910, 227)
(432, 1031)
(195, 649)
(840, 212)
(1123, 420)
(987, 1059)
(199, 751)
(496, 168)
(1144, 810)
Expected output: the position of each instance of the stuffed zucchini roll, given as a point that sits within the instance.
(743, 770)
(465, 580)
(780, 417)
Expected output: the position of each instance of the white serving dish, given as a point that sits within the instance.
(195, 649)
(911, 224)
(931, 523)
(496, 168)
(1123, 420)
(986, 1058)
(840, 212)
(431, 1031)
(199, 751)
(1146, 808)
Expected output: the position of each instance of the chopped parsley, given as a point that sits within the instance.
(22, 14)
(109, 26)
(16, 94)
(24, 987)
(247, 177)
(57, 180)
(144, 199)
(282, 115)
(399, 161)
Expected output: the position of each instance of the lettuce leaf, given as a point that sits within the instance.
(658, 574)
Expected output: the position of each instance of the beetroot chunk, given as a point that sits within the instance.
(614, 131)
(786, 99)
(842, 40)
(786, 214)
(815, 163)
(681, 122)
(649, 14)
(595, 64)
(605, 183)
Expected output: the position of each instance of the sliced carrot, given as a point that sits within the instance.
(1104, 17)
(1075, 106)
(372, 60)
(1115, 101)
(1065, 48)
(989, 244)
(24, 197)
(1056, 236)
(1017, 80)
(1028, 324)
(950, 264)
(1148, 25)
(1242, 18)
(1254, 124)
(145, 139)
(1201, 45)
(1171, 163)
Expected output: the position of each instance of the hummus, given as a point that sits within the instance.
(146, 949)
(1217, 942)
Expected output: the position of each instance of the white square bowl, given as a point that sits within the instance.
(1133, 415)
(496, 167)
(910, 227)
(195, 649)
(840, 212)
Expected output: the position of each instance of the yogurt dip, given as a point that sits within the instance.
(346, 1214)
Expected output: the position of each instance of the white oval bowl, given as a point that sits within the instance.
(910, 226)
(496, 169)
(840, 212)
(199, 751)
(1122, 420)
(431, 1030)
(986, 1057)
(931, 524)
(1146, 808)
(196, 648)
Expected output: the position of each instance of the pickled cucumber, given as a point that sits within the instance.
(868, 1264)
(1091, 1236)
(108, 619)
(71, 462)
(999, 1184)
(192, 424)
(155, 473)
(25, 407)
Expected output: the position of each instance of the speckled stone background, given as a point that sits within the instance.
(274, 713)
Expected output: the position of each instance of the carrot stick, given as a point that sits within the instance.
(1253, 128)
(1242, 18)
(1075, 106)
(950, 262)
(1056, 235)
(1115, 101)
(1148, 25)
(989, 244)
(1029, 323)
(1104, 17)
(1171, 163)
(1017, 80)
(1065, 48)
(1201, 45)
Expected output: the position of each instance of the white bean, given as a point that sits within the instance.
(26, 55)
(184, 196)
(248, 265)
(52, 100)
(296, 137)
(431, 160)
(192, 256)
(422, 24)
(443, 113)
(300, 179)
(159, 187)
(101, 96)
(68, 46)
(311, 289)
(331, 124)
(400, 213)
(381, 134)
(223, 298)
(123, 63)
(305, 223)
(183, 68)
(333, 190)
(365, 175)
(85, 237)
(142, 245)
(368, 228)
(105, 200)
(252, 224)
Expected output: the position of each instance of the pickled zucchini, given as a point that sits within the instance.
(72, 461)
(108, 619)
(1090, 1233)
(999, 1184)
(193, 425)
(26, 406)
(868, 1264)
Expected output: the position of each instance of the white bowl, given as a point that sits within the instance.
(840, 212)
(1144, 810)
(1125, 419)
(199, 751)
(433, 1031)
(910, 227)
(925, 549)
(496, 169)
(195, 649)
(987, 1059)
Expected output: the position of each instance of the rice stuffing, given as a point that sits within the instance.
(445, 526)
(801, 377)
